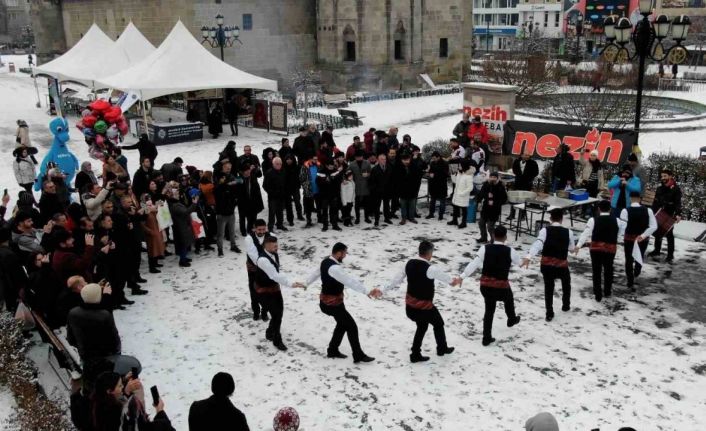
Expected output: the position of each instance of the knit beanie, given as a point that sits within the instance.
(91, 294)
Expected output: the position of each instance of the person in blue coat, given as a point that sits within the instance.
(621, 185)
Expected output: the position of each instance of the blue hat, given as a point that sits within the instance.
(194, 192)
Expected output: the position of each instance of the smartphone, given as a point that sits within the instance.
(5, 193)
(135, 373)
(155, 395)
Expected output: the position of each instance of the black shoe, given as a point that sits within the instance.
(565, 308)
(377, 223)
(119, 307)
(444, 351)
(417, 357)
(598, 298)
(430, 216)
(669, 259)
(209, 248)
(167, 253)
(158, 265)
(364, 358)
(280, 345)
(388, 221)
(482, 241)
(462, 225)
(264, 316)
(235, 249)
(184, 263)
(487, 341)
(155, 271)
(282, 228)
(357, 221)
(269, 336)
(256, 315)
(608, 294)
(126, 301)
(324, 229)
(336, 227)
(452, 223)
(632, 289)
(413, 221)
(308, 224)
(220, 252)
(139, 291)
(133, 285)
(335, 354)
(513, 322)
(139, 279)
(441, 218)
(548, 317)
(290, 222)
(188, 259)
(654, 253)
(367, 220)
(394, 216)
(300, 217)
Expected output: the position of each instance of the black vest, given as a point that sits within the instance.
(419, 285)
(497, 261)
(261, 278)
(605, 229)
(557, 243)
(329, 285)
(258, 246)
(638, 220)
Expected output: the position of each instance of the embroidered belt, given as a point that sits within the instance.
(267, 290)
(555, 262)
(604, 247)
(331, 300)
(419, 304)
(487, 281)
(632, 238)
(250, 266)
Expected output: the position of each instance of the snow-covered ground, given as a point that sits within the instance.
(627, 361)
(7, 406)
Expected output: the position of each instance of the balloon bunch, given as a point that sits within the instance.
(103, 128)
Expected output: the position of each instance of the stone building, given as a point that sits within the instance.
(355, 43)
(14, 22)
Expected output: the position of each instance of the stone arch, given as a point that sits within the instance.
(349, 44)
(399, 42)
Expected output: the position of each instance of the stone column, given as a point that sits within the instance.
(48, 27)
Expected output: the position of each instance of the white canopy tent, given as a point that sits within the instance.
(182, 64)
(81, 60)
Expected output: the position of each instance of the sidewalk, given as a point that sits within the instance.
(690, 231)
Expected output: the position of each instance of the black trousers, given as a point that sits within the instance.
(670, 243)
(632, 268)
(550, 274)
(424, 318)
(375, 202)
(346, 212)
(309, 207)
(364, 203)
(233, 122)
(344, 325)
(275, 208)
(328, 211)
(254, 297)
(246, 220)
(274, 304)
(492, 295)
(294, 197)
(602, 264)
(463, 211)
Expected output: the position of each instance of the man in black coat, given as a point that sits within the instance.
(303, 146)
(276, 188)
(291, 173)
(329, 181)
(249, 158)
(493, 196)
(461, 130)
(172, 171)
(143, 176)
(225, 193)
(525, 170)
(217, 413)
(49, 203)
(563, 169)
(91, 327)
(438, 184)
(12, 276)
(145, 148)
(667, 199)
(232, 111)
(380, 186)
(405, 177)
(249, 198)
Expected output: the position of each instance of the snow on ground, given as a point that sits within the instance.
(7, 406)
(636, 361)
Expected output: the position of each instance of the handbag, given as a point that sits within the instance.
(24, 316)
(164, 217)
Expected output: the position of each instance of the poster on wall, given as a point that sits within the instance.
(493, 114)
(542, 141)
(259, 114)
(278, 116)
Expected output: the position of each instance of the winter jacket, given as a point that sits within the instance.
(171, 172)
(564, 167)
(368, 140)
(215, 122)
(91, 329)
(12, 277)
(24, 169)
(307, 179)
(216, 414)
(226, 195)
(181, 217)
(145, 148)
(66, 263)
(405, 179)
(633, 185)
(347, 192)
(463, 189)
(93, 203)
(29, 242)
(438, 179)
(586, 170)
(250, 196)
(668, 198)
(22, 136)
(141, 181)
(49, 204)
(303, 148)
(380, 182)
(493, 198)
(275, 184)
(461, 132)
(361, 182)
(329, 182)
(524, 179)
(291, 176)
(478, 129)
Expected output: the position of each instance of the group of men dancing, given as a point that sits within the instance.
(554, 243)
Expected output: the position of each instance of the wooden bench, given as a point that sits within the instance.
(65, 359)
(335, 101)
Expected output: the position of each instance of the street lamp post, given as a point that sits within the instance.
(487, 33)
(579, 31)
(221, 36)
(619, 32)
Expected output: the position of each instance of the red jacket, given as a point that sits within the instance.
(368, 139)
(480, 129)
(66, 264)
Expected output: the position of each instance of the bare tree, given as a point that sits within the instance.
(531, 73)
(306, 81)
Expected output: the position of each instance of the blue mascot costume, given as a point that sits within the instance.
(59, 153)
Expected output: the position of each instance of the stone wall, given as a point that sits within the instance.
(48, 28)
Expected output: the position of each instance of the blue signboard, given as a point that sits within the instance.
(510, 31)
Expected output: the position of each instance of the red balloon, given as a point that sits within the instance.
(113, 114)
(100, 140)
(123, 128)
(89, 121)
(100, 105)
(80, 126)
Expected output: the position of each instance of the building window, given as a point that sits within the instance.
(514, 18)
(400, 37)
(247, 21)
(546, 18)
(443, 47)
(556, 19)
(398, 50)
(350, 51)
(349, 44)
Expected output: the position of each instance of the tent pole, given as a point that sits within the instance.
(144, 115)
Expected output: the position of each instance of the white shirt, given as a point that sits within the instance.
(458, 153)
(433, 273)
(480, 258)
(264, 264)
(538, 245)
(653, 221)
(251, 249)
(523, 163)
(587, 233)
(336, 272)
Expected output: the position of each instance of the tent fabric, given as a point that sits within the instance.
(182, 64)
(80, 60)
(131, 48)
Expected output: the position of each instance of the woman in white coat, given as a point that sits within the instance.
(462, 193)
(24, 168)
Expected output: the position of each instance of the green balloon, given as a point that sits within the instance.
(100, 126)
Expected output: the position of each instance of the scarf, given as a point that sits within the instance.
(671, 183)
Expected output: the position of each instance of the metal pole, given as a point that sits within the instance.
(638, 102)
(642, 45)
(487, 36)
(220, 40)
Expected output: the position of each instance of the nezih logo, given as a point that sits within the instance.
(547, 146)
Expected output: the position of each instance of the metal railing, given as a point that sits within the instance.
(668, 84)
(389, 95)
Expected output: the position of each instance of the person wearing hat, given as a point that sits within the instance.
(461, 130)
(28, 239)
(492, 196)
(145, 148)
(421, 276)
(478, 131)
(327, 137)
(24, 168)
(13, 278)
(668, 199)
(495, 261)
(217, 412)
(91, 328)
(333, 281)
(303, 146)
(621, 186)
(554, 242)
(640, 224)
(602, 231)
(22, 134)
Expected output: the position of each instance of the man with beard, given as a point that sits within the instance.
(333, 281)
(253, 249)
(420, 308)
(668, 200)
(268, 280)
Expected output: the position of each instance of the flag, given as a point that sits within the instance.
(127, 100)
